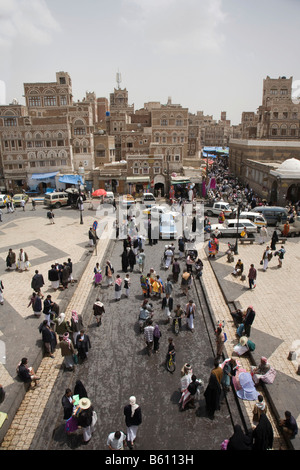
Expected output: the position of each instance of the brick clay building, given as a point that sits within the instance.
(268, 154)
(115, 146)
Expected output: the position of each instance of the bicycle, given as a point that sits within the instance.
(171, 366)
(176, 326)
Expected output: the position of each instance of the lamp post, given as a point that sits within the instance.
(239, 201)
(80, 202)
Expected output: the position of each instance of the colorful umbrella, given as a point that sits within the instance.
(99, 192)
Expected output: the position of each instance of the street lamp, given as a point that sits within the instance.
(80, 202)
(239, 201)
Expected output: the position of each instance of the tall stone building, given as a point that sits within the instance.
(153, 141)
(278, 115)
(48, 136)
(267, 157)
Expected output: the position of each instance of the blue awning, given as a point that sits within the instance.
(43, 176)
(70, 179)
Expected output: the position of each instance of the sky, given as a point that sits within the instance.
(207, 55)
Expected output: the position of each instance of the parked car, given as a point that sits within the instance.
(32, 192)
(219, 207)
(109, 198)
(256, 218)
(3, 198)
(148, 199)
(167, 226)
(56, 199)
(272, 214)
(230, 227)
(17, 198)
(294, 227)
(161, 210)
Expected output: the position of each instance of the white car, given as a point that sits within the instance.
(256, 218)
(230, 227)
(294, 227)
(219, 207)
(161, 210)
(3, 198)
(167, 227)
(148, 199)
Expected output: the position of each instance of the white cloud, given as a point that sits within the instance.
(175, 26)
(29, 21)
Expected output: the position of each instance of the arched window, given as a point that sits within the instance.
(274, 129)
(164, 120)
(283, 130)
(79, 127)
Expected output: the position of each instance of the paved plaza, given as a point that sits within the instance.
(275, 299)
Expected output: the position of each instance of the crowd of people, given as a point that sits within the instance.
(74, 344)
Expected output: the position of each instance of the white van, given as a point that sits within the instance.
(148, 199)
(56, 199)
(230, 227)
(219, 207)
(256, 218)
(109, 198)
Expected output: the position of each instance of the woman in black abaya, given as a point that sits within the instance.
(212, 395)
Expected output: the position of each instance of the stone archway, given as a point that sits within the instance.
(159, 185)
(293, 193)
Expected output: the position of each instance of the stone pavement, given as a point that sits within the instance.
(19, 335)
(275, 331)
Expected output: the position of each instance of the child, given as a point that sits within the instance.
(259, 408)
(171, 349)
(118, 287)
(156, 287)
(127, 285)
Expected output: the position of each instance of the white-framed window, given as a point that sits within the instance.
(284, 91)
(79, 131)
(49, 101)
(34, 101)
(63, 100)
(10, 121)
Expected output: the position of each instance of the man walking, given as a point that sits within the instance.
(148, 335)
(248, 320)
(280, 254)
(252, 277)
(141, 260)
(37, 282)
(167, 306)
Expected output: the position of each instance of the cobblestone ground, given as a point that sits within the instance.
(119, 367)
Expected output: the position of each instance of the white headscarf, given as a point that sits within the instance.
(134, 406)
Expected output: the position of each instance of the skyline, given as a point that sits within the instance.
(207, 56)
